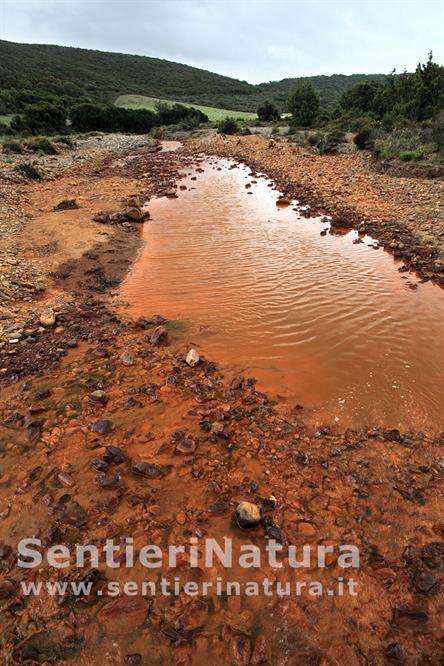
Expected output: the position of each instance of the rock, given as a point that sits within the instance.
(306, 528)
(47, 319)
(159, 336)
(66, 204)
(171, 192)
(6, 589)
(240, 650)
(99, 396)
(102, 427)
(134, 213)
(5, 551)
(66, 479)
(425, 581)
(115, 456)
(192, 358)
(248, 515)
(132, 659)
(108, 482)
(193, 617)
(261, 652)
(133, 609)
(187, 446)
(146, 469)
(181, 519)
(237, 383)
(127, 359)
(73, 514)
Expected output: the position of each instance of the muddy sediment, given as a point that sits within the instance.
(107, 434)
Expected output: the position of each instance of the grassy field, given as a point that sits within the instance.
(141, 102)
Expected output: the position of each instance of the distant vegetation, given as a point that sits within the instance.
(151, 103)
(401, 116)
(49, 90)
(32, 73)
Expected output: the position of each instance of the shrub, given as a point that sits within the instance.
(267, 112)
(303, 104)
(411, 155)
(41, 144)
(65, 140)
(327, 143)
(43, 118)
(12, 146)
(28, 170)
(362, 137)
(227, 126)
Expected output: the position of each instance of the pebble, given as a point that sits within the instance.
(192, 358)
(159, 336)
(47, 319)
(146, 469)
(66, 479)
(248, 515)
(102, 427)
(425, 581)
(99, 396)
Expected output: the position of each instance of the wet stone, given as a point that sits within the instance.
(248, 515)
(159, 336)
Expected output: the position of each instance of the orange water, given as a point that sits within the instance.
(324, 322)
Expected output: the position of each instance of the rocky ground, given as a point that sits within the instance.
(406, 215)
(107, 432)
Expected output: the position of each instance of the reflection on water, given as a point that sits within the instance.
(320, 319)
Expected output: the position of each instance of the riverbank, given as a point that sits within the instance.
(106, 433)
(406, 215)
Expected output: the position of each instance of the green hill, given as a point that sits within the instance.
(31, 72)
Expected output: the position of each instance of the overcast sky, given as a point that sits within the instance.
(247, 39)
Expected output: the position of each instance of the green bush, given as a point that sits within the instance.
(268, 112)
(43, 118)
(303, 104)
(12, 146)
(41, 144)
(413, 143)
(28, 170)
(227, 126)
(411, 155)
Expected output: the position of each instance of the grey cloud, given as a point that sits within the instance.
(247, 39)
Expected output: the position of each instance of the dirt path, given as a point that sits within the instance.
(106, 434)
(405, 214)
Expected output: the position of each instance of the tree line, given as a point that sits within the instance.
(51, 118)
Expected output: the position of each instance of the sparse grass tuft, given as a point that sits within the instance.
(41, 144)
(28, 170)
(13, 146)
